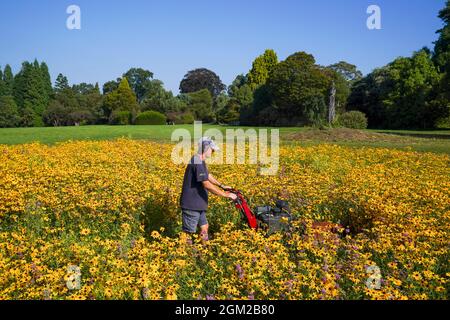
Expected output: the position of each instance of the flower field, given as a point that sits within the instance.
(110, 208)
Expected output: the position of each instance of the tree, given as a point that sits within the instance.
(297, 86)
(27, 115)
(342, 85)
(9, 116)
(442, 45)
(110, 86)
(2, 84)
(442, 52)
(158, 99)
(349, 71)
(402, 95)
(262, 68)
(61, 83)
(46, 80)
(56, 114)
(30, 91)
(139, 80)
(121, 99)
(90, 104)
(238, 82)
(8, 81)
(198, 79)
(229, 113)
(200, 104)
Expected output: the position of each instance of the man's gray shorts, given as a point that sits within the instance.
(192, 219)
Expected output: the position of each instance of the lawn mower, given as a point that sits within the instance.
(267, 218)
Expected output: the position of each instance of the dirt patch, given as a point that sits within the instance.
(343, 134)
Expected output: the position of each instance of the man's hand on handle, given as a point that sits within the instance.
(231, 195)
(214, 189)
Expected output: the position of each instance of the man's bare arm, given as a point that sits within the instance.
(212, 188)
(214, 181)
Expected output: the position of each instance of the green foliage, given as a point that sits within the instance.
(47, 82)
(27, 116)
(262, 68)
(353, 120)
(348, 71)
(199, 79)
(229, 113)
(80, 117)
(297, 85)
(119, 117)
(61, 83)
(139, 80)
(121, 99)
(2, 83)
(56, 114)
(442, 52)
(180, 117)
(9, 116)
(158, 99)
(151, 118)
(7, 82)
(110, 86)
(342, 86)
(200, 104)
(402, 95)
(31, 89)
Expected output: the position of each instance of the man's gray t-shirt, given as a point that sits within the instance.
(193, 195)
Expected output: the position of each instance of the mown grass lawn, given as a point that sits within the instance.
(424, 141)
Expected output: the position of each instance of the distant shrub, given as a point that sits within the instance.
(353, 120)
(120, 118)
(150, 118)
(180, 117)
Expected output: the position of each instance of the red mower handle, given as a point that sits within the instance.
(241, 204)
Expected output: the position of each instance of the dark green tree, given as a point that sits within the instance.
(297, 86)
(160, 100)
(2, 84)
(238, 82)
(46, 79)
(230, 113)
(61, 83)
(110, 86)
(198, 79)
(348, 71)
(200, 104)
(56, 114)
(139, 80)
(30, 91)
(442, 45)
(8, 81)
(9, 115)
(342, 86)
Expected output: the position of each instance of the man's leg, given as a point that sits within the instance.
(190, 221)
(203, 222)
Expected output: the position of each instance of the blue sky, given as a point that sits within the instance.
(171, 37)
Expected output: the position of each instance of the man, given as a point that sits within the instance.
(196, 184)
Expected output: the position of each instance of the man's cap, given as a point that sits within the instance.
(206, 142)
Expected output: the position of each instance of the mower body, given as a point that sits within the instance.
(267, 218)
